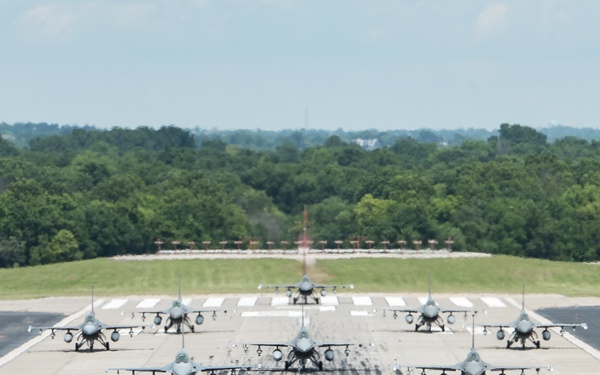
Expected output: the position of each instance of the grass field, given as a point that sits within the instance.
(497, 274)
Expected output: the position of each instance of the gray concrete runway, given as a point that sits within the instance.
(267, 318)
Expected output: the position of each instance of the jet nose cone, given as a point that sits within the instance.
(89, 329)
(304, 346)
(176, 312)
(430, 311)
(524, 326)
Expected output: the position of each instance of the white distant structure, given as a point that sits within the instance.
(368, 144)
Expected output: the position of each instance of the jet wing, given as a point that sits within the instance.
(277, 287)
(396, 311)
(431, 367)
(561, 326)
(133, 370)
(334, 287)
(114, 327)
(199, 367)
(65, 328)
(501, 369)
(329, 344)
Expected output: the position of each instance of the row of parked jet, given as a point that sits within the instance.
(303, 348)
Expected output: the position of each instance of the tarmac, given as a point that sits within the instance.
(267, 317)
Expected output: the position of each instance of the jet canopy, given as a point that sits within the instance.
(182, 358)
(473, 357)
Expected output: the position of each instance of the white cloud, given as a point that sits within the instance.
(47, 22)
(491, 21)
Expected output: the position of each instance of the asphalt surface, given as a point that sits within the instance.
(589, 315)
(258, 319)
(13, 327)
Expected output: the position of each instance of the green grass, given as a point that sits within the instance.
(501, 274)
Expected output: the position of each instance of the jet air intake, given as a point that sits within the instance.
(277, 355)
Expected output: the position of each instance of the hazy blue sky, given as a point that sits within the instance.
(248, 64)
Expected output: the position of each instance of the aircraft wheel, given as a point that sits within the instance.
(317, 300)
(287, 365)
(166, 329)
(91, 346)
(537, 343)
(320, 365)
(416, 327)
(192, 328)
(107, 345)
(178, 330)
(508, 342)
(76, 347)
(443, 328)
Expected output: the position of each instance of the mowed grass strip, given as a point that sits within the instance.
(497, 274)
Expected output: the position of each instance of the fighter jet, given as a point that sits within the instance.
(303, 348)
(183, 365)
(523, 328)
(305, 289)
(178, 314)
(90, 331)
(429, 313)
(472, 365)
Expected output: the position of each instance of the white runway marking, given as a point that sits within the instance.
(114, 304)
(422, 300)
(186, 301)
(269, 314)
(493, 302)
(362, 301)
(147, 303)
(214, 302)
(461, 301)
(327, 308)
(280, 301)
(395, 301)
(478, 330)
(360, 313)
(330, 301)
(247, 301)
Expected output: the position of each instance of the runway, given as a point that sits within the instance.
(268, 317)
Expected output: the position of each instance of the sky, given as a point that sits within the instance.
(291, 64)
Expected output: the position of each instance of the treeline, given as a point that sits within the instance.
(268, 140)
(95, 193)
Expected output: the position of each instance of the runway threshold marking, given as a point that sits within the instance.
(395, 301)
(461, 301)
(214, 302)
(330, 301)
(493, 301)
(247, 301)
(147, 303)
(272, 314)
(362, 301)
(114, 304)
(360, 313)
(279, 301)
